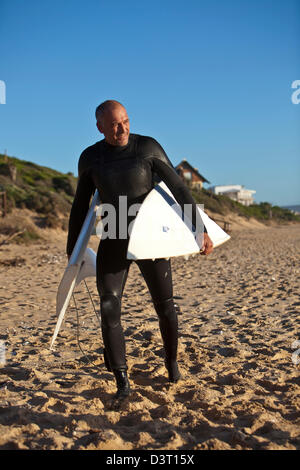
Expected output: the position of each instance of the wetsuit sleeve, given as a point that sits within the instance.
(80, 207)
(162, 166)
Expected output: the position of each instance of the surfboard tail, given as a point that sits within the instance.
(73, 276)
(215, 232)
(75, 272)
(63, 296)
(160, 231)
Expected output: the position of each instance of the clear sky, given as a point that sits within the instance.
(210, 80)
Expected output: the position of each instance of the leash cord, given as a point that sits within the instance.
(78, 327)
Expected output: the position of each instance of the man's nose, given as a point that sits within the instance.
(122, 128)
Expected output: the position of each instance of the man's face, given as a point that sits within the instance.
(115, 126)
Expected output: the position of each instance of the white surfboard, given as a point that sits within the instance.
(82, 264)
(159, 231)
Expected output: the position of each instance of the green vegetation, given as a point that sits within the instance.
(224, 205)
(40, 189)
(50, 193)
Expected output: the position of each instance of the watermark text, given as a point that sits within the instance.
(117, 221)
(296, 354)
(296, 95)
(2, 353)
(2, 92)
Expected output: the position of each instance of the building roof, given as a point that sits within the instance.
(186, 164)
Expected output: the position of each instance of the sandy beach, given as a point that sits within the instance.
(238, 352)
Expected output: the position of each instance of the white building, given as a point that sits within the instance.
(236, 192)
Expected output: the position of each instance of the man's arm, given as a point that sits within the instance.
(167, 173)
(80, 207)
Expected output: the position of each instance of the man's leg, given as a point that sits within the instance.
(112, 271)
(158, 276)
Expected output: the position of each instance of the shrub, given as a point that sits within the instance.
(65, 184)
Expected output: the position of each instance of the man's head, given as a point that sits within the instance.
(113, 122)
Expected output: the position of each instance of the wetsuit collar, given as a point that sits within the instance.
(116, 148)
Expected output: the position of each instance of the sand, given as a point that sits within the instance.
(238, 353)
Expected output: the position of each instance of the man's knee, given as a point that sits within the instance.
(110, 310)
(165, 309)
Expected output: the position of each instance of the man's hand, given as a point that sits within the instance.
(207, 246)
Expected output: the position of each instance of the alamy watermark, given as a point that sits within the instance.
(117, 222)
(2, 353)
(2, 92)
(296, 354)
(296, 95)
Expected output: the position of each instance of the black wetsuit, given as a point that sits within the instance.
(127, 171)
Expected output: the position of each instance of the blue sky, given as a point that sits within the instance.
(210, 80)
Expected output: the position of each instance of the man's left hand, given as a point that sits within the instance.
(207, 246)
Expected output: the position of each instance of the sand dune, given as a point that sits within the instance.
(239, 327)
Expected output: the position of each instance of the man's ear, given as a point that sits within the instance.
(99, 127)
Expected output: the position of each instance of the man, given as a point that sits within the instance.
(125, 164)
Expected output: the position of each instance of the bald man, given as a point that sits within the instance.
(126, 164)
